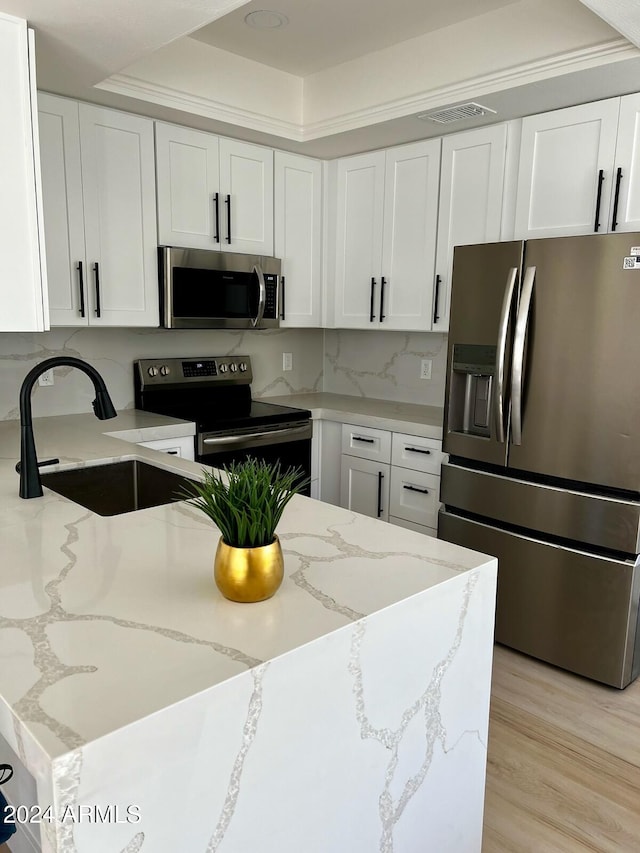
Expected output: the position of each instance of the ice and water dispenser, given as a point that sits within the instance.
(470, 396)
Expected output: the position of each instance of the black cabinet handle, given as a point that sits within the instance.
(216, 209)
(416, 489)
(596, 225)
(382, 284)
(359, 438)
(616, 199)
(380, 479)
(418, 450)
(436, 300)
(96, 270)
(282, 307)
(81, 286)
(372, 316)
(227, 201)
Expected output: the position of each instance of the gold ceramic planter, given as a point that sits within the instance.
(248, 574)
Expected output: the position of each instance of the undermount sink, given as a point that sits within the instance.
(117, 487)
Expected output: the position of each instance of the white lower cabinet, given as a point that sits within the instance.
(183, 447)
(364, 486)
(392, 476)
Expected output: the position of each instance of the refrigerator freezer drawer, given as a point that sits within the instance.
(575, 610)
(600, 521)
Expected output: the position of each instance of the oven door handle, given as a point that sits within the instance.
(262, 296)
(238, 439)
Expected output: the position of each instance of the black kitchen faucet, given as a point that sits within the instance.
(30, 484)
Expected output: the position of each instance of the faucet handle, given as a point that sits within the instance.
(39, 464)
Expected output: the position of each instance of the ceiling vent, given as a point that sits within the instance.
(462, 111)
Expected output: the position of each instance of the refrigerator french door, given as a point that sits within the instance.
(542, 423)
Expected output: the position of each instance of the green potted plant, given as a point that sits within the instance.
(246, 501)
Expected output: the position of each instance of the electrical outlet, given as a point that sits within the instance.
(46, 378)
(287, 361)
(425, 368)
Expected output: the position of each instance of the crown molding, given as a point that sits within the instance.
(530, 72)
(165, 96)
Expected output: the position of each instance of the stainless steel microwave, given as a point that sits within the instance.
(202, 289)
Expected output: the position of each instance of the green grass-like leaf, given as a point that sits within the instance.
(247, 503)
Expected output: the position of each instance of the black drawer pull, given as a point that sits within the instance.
(418, 450)
(81, 288)
(416, 489)
(596, 225)
(616, 200)
(96, 269)
(372, 316)
(359, 438)
(216, 208)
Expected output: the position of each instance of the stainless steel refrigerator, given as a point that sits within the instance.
(542, 428)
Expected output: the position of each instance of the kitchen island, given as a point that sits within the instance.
(347, 713)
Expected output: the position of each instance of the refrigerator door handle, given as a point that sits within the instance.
(501, 351)
(517, 370)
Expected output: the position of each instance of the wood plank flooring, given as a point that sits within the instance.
(563, 770)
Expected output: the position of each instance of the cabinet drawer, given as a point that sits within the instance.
(414, 496)
(411, 525)
(183, 447)
(366, 442)
(417, 454)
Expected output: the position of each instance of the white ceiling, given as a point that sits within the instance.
(81, 44)
(322, 33)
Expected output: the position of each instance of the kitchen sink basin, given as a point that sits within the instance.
(117, 487)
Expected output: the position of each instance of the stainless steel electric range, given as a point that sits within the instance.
(215, 393)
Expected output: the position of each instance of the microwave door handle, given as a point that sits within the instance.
(501, 352)
(262, 296)
(517, 371)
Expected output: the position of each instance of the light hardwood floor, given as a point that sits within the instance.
(563, 770)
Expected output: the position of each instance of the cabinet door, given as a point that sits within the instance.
(627, 212)
(118, 184)
(360, 195)
(364, 487)
(298, 237)
(23, 286)
(409, 235)
(188, 184)
(561, 157)
(470, 209)
(62, 210)
(246, 212)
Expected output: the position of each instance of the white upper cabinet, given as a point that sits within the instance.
(360, 196)
(625, 215)
(409, 235)
(23, 285)
(100, 215)
(188, 169)
(386, 236)
(470, 210)
(566, 174)
(213, 193)
(298, 237)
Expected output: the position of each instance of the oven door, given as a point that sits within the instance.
(217, 290)
(288, 444)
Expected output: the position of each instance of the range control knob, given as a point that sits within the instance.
(165, 370)
(243, 366)
(233, 367)
(152, 371)
(223, 368)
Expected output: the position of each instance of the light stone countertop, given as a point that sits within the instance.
(410, 418)
(107, 621)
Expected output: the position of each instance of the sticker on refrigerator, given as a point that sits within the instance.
(631, 263)
(634, 250)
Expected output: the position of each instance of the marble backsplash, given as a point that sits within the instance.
(112, 352)
(384, 365)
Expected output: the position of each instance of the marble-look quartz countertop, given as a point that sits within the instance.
(105, 622)
(411, 418)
